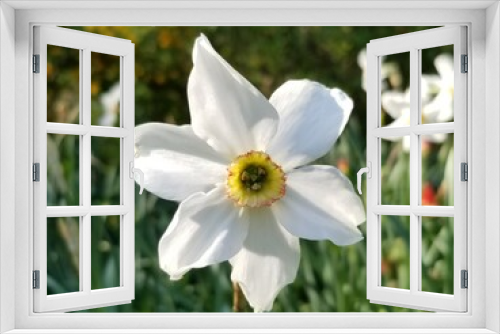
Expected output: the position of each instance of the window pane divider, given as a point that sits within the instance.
(415, 244)
(85, 167)
(434, 211)
(66, 129)
(392, 132)
(420, 129)
(392, 210)
(108, 131)
(108, 210)
(407, 210)
(435, 128)
(78, 129)
(79, 211)
(66, 211)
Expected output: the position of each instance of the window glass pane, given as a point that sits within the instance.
(437, 169)
(105, 253)
(437, 254)
(395, 171)
(437, 85)
(105, 89)
(63, 254)
(106, 179)
(63, 84)
(63, 170)
(395, 266)
(395, 90)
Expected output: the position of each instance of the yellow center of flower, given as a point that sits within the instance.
(254, 180)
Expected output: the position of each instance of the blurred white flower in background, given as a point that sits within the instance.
(110, 101)
(239, 172)
(436, 101)
(440, 108)
(389, 72)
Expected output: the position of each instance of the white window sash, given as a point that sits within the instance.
(85, 298)
(414, 297)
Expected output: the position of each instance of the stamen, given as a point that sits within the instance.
(254, 180)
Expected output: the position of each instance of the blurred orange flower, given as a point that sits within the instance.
(343, 165)
(428, 195)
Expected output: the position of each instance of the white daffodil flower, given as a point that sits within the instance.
(237, 172)
(436, 108)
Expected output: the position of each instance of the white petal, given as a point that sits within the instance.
(226, 110)
(267, 262)
(320, 203)
(176, 163)
(312, 116)
(396, 103)
(206, 229)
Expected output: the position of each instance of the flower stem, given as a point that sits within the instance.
(236, 297)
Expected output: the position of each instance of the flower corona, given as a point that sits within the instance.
(254, 180)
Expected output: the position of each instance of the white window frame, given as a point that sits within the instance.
(483, 20)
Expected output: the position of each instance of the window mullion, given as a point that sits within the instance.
(80, 211)
(127, 155)
(421, 129)
(414, 171)
(81, 272)
(123, 174)
(85, 166)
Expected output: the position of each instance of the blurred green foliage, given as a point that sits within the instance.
(330, 278)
